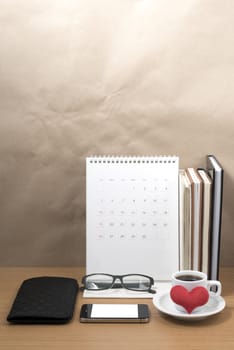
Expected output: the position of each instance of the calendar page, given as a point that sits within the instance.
(132, 215)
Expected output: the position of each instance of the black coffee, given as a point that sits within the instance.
(189, 278)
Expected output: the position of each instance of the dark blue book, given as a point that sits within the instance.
(215, 170)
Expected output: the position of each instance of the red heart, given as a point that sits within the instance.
(198, 296)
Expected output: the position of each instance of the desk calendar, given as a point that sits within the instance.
(132, 215)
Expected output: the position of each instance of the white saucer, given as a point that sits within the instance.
(164, 304)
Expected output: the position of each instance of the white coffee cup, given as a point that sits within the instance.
(191, 279)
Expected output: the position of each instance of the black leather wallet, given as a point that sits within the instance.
(44, 300)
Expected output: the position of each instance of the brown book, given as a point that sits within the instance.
(206, 219)
(196, 217)
(185, 221)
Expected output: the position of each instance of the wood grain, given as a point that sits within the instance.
(162, 332)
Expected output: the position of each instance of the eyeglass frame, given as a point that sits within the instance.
(120, 278)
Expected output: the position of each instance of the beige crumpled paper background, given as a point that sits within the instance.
(79, 78)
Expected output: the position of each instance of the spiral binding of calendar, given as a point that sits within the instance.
(132, 159)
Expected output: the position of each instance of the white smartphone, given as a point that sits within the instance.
(136, 313)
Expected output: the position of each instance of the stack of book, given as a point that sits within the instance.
(201, 192)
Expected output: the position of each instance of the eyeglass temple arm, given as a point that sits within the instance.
(152, 291)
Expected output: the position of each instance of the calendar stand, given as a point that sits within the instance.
(132, 215)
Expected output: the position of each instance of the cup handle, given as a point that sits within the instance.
(214, 291)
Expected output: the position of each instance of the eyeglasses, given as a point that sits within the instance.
(103, 281)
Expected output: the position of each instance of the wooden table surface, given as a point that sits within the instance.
(162, 332)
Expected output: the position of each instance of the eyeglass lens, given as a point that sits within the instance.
(136, 282)
(98, 281)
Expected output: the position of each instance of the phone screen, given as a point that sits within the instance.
(114, 311)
